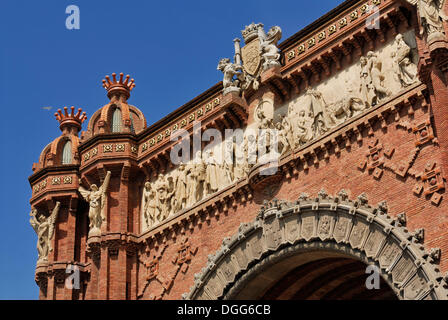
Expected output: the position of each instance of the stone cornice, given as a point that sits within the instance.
(62, 169)
(324, 33)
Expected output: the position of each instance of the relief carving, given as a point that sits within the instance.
(325, 226)
(260, 49)
(431, 18)
(97, 198)
(405, 69)
(389, 254)
(44, 228)
(313, 114)
(402, 270)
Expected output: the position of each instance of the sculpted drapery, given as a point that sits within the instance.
(96, 198)
(44, 228)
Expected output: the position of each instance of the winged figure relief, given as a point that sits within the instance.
(44, 228)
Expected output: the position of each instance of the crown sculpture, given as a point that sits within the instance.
(259, 54)
(120, 87)
(67, 120)
(251, 32)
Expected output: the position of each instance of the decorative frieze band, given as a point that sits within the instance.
(181, 124)
(331, 30)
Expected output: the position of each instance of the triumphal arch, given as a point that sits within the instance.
(317, 157)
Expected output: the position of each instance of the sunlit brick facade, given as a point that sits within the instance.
(370, 189)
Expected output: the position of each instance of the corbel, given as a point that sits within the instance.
(334, 55)
(324, 65)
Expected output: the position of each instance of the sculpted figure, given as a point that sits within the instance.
(212, 173)
(44, 228)
(345, 108)
(366, 90)
(171, 199)
(268, 46)
(96, 198)
(405, 70)
(375, 66)
(264, 126)
(192, 184)
(304, 132)
(288, 131)
(180, 187)
(431, 18)
(283, 144)
(285, 135)
(163, 197)
(201, 174)
(263, 121)
(149, 210)
(241, 167)
(233, 78)
(229, 161)
(251, 148)
(317, 107)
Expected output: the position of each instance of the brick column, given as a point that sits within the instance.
(103, 281)
(118, 275)
(51, 288)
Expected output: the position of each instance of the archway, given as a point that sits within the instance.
(315, 248)
(309, 272)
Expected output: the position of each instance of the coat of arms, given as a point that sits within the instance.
(259, 53)
(250, 55)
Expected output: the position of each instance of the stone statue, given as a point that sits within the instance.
(96, 198)
(366, 90)
(251, 148)
(163, 194)
(212, 173)
(268, 46)
(229, 161)
(226, 173)
(241, 166)
(148, 209)
(262, 120)
(377, 77)
(44, 228)
(233, 78)
(405, 70)
(283, 144)
(345, 108)
(304, 132)
(180, 187)
(264, 125)
(288, 131)
(193, 173)
(317, 108)
(285, 135)
(431, 18)
(201, 175)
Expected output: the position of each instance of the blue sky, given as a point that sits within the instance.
(171, 48)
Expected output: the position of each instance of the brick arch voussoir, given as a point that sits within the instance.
(336, 223)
